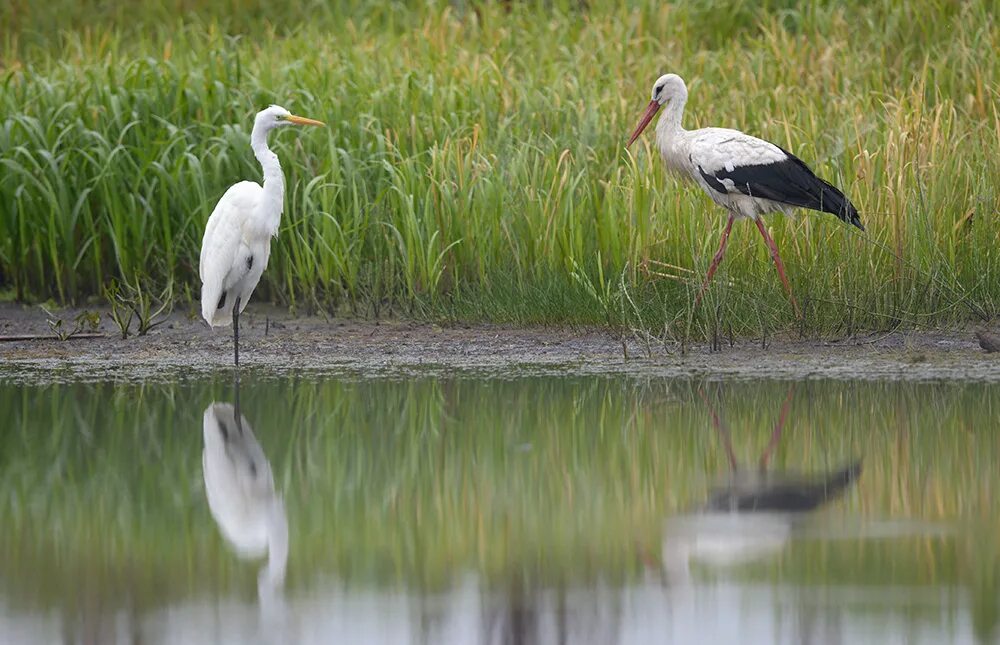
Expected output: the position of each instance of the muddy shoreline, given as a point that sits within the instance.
(273, 342)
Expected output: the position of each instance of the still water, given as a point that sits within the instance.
(470, 510)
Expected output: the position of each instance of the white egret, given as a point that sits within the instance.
(237, 241)
(747, 176)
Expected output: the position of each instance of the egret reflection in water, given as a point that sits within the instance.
(751, 513)
(241, 495)
(438, 526)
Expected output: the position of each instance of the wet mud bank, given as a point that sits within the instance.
(272, 340)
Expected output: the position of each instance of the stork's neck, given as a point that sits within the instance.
(670, 119)
(273, 199)
(670, 137)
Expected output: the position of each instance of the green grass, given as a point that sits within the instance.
(474, 169)
(556, 481)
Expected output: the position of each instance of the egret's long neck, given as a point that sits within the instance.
(273, 199)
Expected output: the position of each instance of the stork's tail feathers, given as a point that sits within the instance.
(801, 187)
(834, 201)
(841, 479)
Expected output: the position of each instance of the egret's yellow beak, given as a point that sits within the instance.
(301, 120)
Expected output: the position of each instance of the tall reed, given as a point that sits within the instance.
(474, 165)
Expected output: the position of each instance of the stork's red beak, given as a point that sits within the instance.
(644, 121)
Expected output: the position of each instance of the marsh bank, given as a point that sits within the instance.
(276, 341)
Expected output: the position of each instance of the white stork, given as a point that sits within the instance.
(745, 175)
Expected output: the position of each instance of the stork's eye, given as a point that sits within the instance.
(657, 89)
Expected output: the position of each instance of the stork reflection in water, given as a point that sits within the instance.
(753, 512)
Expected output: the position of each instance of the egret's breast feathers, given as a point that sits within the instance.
(224, 230)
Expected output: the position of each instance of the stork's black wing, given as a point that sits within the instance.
(780, 177)
(790, 495)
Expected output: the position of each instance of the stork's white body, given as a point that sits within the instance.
(714, 150)
(745, 175)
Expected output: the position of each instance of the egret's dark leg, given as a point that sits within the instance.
(236, 400)
(716, 260)
(236, 333)
(776, 434)
(777, 263)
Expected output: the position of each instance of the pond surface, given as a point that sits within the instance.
(481, 510)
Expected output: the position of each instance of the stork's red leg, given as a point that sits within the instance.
(727, 440)
(716, 260)
(776, 434)
(777, 263)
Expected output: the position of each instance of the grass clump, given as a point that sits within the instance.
(474, 168)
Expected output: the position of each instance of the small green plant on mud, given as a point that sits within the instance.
(83, 321)
(599, 289)
(621, 313)
(121, 313)
(143, 304)
(135, 301)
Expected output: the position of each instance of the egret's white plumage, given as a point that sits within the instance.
(234, 253)
(237, 241)
(747, 176)
(240, 491)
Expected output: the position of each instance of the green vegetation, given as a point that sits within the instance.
(474, 164)
(546, 480)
